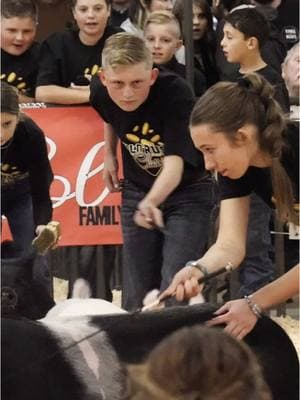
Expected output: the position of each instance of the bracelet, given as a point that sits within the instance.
(255, 308)
(198, 266)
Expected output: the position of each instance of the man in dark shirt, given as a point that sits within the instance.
(19, 51)
(165, 180)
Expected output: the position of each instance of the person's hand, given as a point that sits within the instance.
(39, 229)
(185, 284)
(47, 237)
(80, 87)
(237, 316)
(148, 215)
(110, 173)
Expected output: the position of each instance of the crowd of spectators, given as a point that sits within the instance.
(231, 38)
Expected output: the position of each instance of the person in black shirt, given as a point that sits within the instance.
(204, 38)
(19, 51)
(26, 173)
(165, 179)
(119, 12)
(244, 139)
(69, 59)
(245, 33)
(162, 34)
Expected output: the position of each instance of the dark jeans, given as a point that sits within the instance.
(19, 213)
(257, 268)
(150, 259)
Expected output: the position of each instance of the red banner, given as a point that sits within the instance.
(88, 213)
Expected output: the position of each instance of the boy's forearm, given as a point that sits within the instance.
(167, 181)
(111, 140)
(62, 95)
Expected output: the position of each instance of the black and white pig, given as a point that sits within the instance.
(21, 294)
(41, 360)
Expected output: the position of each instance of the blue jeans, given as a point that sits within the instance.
(17, 208)
(150, 259)
(257, 269)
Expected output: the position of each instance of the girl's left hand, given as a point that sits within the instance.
(237, 317)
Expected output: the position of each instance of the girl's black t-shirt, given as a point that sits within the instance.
(157, 128)
(65, 59)
(25, 167)
(258, 180)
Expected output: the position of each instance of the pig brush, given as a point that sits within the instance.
(47, 238)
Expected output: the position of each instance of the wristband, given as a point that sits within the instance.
(198, 266)
(255, 308)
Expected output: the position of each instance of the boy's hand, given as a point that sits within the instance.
(148, 215)
(110, 173)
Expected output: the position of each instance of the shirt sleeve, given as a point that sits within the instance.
(232, 188)
(177, 139)
(40, 174)
(99, 98)
(255, 179)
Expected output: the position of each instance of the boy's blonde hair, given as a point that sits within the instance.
(163, 18)
(125, 49)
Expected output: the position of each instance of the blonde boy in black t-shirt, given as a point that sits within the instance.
(163, 37)
(165, 180)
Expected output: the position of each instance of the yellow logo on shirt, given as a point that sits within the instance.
(146, 148)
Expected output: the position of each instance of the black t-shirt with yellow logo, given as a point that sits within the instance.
(21, 71)
(65, 59)
(25, 168)
(158, 128)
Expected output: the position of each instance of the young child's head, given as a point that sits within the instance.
(127, 71)
(198, 363)
(91, 16)
(202, 17)
(245, 31)
(18, 25)
(291, 71)
(163, 36)
(9, 111)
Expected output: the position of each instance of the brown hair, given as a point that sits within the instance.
(20, 9)
(228, 106)
(138, 10)
(9, 99)
(74, 3)
(198, 363)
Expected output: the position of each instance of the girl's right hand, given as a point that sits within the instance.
(185, 284)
